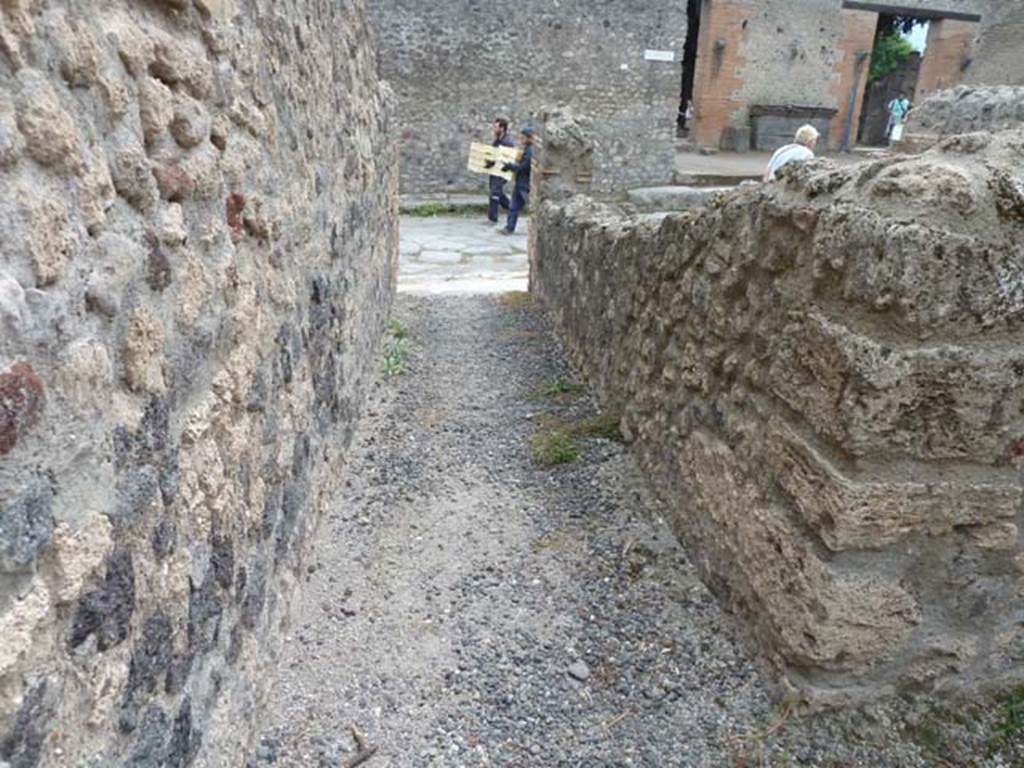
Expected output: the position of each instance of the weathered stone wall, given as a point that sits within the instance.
(825, 379)
(197, 202)
(964, 109)
(996, 59)
(456, 64)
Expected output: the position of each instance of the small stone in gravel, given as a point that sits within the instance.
(579, 670)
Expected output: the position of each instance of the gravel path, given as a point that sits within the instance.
(471, 608)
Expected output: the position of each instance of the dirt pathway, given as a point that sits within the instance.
(471, 607)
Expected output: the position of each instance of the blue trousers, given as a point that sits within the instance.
(498, 198)
(520, 197)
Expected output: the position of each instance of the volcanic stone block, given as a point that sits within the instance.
(823, 378)
(173, 177)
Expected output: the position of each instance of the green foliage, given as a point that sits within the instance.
(397, 349)
(891, 50)
(604, 427)
(1012, 723)
(398, 330)
(559, 389)
(554, 447)
(429, 210)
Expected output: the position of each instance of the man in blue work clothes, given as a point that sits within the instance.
(521, 191)
(498, 198)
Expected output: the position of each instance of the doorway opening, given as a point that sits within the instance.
(897, 54)
(916, 52)
(684, 121)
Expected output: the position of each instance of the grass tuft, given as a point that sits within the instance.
(560, 389)
(1010, 728)
(553, 447)
(398, 329)
(516, 299)
(397, 349)
(604, 426)
(429, 210)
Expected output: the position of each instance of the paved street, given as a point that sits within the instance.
(461, 255)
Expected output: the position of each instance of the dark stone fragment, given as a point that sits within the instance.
(300, 456)
(26, 526)
(335, 252)
(285, 357)
(255, 596)
(124, 446)
(138, 493)
(22, 745)
(205, 609)
(185, 740)
(257, 400)
(235, 646)
(164, 537)
(158, 268)
(151, 745)
(222, 560)
(241, 579)
(170, 478)
(321, 291)
(271, 428)
(127, 719)
(177, 674)
(271, 510)
(151, 662)
(155, 431)
(293, 501)
(107, 610)
(21, 403)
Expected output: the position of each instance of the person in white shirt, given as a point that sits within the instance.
(800, 151)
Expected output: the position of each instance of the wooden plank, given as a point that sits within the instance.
(917, 13)
(481, 154)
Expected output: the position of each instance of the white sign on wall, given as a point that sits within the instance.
(653, 55)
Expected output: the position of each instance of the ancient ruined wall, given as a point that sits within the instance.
(964, 109)
(197, 202)
(996, 58)
(456, 64)
(949, 50)
(825, 379)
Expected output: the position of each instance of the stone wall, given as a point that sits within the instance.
(824, 379)
(964, 109)
(800, 52)
(996, 59)
(456, 64)
(198, 207)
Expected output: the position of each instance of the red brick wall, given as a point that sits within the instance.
(858, 35)
(949, 47)
(720, 65)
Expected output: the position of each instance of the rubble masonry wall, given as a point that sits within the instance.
(197, 200)
(455, 65)
(824, 378)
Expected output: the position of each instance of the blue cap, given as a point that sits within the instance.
(527, 131)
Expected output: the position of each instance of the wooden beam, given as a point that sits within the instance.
(917, 13)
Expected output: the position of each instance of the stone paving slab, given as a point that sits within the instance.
(461, 255)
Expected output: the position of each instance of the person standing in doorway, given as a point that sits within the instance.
(498, 200)
(801, 150)
(521, 190)
(898, 109)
